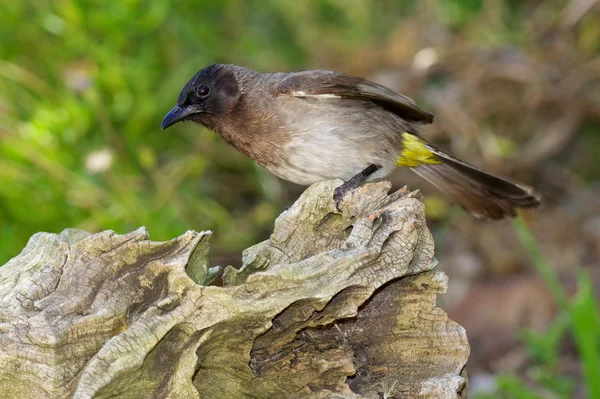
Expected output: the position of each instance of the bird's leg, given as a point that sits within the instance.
(354, 182)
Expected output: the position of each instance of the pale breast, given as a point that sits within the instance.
(330, 138)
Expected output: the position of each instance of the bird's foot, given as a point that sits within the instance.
(340, 192)
(354, 182)
(338, 196)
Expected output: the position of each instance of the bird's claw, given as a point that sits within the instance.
(338, 197)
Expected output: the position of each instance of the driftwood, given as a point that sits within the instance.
(331, 306)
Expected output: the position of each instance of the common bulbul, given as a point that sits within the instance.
(316, 125)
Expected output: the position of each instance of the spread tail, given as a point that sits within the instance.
(482, 194)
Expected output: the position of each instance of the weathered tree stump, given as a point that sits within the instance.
(331, 306)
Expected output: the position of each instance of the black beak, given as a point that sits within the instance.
(177, 114)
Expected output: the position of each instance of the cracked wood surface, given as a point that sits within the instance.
(331, 306)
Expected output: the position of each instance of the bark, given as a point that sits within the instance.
(331, 306)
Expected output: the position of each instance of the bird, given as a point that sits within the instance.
(317, 125)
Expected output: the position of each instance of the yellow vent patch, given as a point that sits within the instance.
(415, 152)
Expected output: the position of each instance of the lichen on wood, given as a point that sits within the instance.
(333, 305)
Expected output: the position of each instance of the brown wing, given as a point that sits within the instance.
(328, 84)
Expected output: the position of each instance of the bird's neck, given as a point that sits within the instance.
(247, 129)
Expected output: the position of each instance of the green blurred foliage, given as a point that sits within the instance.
(579, 319)
(90, 80)
(84, 85)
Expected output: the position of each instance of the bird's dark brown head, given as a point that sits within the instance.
(214, 91)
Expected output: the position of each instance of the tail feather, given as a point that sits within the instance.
(482, 194)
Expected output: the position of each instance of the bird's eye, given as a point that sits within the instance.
(202, 90)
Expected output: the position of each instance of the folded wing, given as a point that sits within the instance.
(333, 85)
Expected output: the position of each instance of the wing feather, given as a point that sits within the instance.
(329, 84)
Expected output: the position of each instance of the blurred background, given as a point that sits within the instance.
(515, 86)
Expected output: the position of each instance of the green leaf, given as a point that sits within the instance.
(586, 331)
